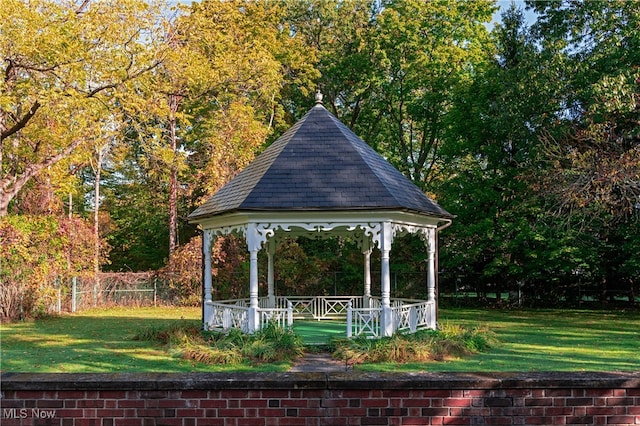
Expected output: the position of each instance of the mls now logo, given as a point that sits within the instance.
(23, 413)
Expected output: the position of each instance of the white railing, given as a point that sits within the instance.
(281, 317)
(412, 315)
(321, 307)
(364, 322)
(226, 315)
(363, 314)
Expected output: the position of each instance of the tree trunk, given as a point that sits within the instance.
(96, 224)
(174, 102)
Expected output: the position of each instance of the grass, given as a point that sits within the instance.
(320, 333)
(543, 340)
(538, 340)
(103, 340)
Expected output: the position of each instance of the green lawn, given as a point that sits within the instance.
(100, 340)
(541, 340)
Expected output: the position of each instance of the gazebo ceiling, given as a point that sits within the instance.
(318, 165)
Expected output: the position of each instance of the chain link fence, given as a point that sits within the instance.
(133, 289)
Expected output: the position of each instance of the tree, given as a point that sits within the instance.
(490, 170)
(63, 66)
(597, 153)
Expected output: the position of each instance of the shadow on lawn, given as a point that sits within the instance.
(85, 343)
(555, 340)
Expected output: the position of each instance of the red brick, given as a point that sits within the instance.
(457, 421)
(274, 394)
(414, 402)
(558, 411)
(539, 420)
(71, 394)
(620, 420)
(237, 394)
(213, 403)
(312, 412)
(30, 395)
(54, 403)
(253, 403)
(128, 422)
(68, 412)
(601, 411)
(251, 422)
(172, 403)
(431, 393)
(620, 401)
(189, 412)
(554, 393)
(194, 394)
(335, 421)
(109, 413)
(206, 421)
(168, 422)
(457, 402)
(231, 412)
(394, 393)
(326, 402)
(89, 422)
(271, 412)
(299, 403)
(152, 412)
(579, 420)
(579, 402)
(292, 421)
(374, 421)
(12, 403)
(110, 395)
(498, 420)
(131, 403)
(420, 421)
(437, 411)
(90, 403)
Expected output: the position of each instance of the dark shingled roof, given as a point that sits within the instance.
(319, 164)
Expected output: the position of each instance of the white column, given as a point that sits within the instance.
(253, 244)
(386, 239)
(207, 308)
(271, 248)
(431, 274)
(367, 273)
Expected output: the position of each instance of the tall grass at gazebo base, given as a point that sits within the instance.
(270, 344)
(450, 341)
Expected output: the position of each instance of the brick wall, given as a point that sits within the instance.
(319, 399)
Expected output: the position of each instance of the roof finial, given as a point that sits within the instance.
(318, 97)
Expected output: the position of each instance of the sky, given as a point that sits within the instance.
(503, 5)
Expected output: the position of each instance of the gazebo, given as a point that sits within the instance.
(320, 180)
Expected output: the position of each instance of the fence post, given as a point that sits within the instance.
(349, 319)
(155, 291)
(289, 314)
(59, 295)
(74, 293)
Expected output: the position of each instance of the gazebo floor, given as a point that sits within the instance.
(319, 332)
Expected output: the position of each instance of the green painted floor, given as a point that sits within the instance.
(319, 332)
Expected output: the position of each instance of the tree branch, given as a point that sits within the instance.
(22, 122)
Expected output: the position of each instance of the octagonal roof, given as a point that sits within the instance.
(319, 164)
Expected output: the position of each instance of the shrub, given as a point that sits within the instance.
(450, 341)
(271, 344)
(36, 253)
